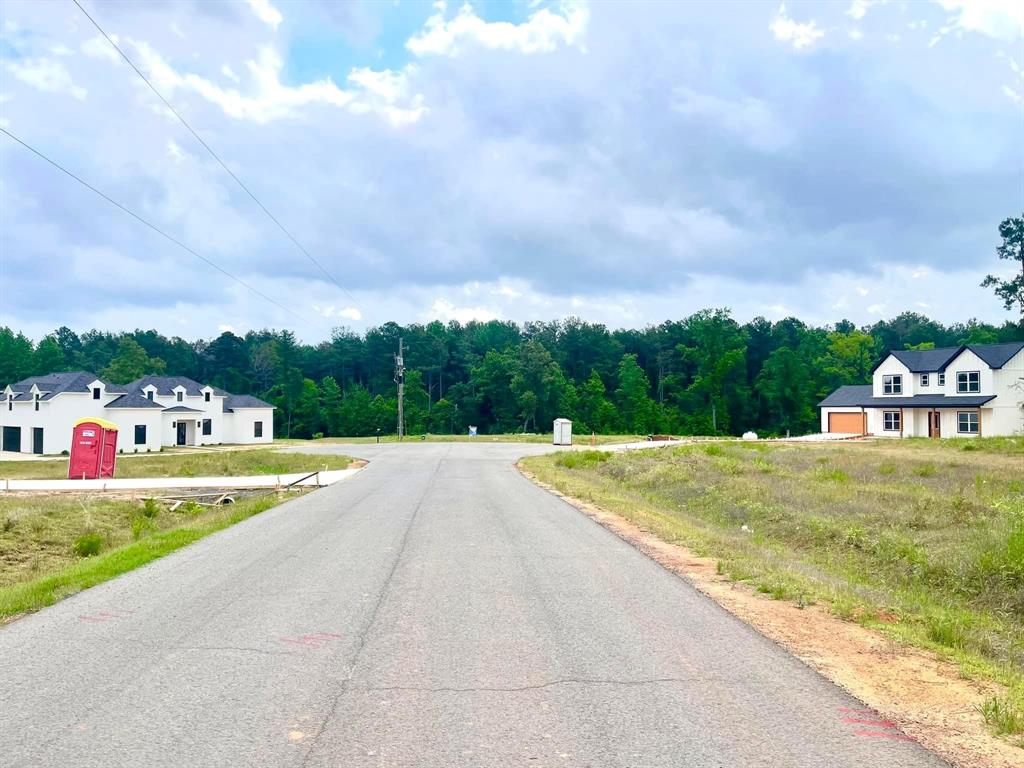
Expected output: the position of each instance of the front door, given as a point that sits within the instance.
(37, 440)
(934, 419)
(181, 432)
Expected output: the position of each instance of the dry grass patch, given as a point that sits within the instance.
(922, 540)
(265, 461)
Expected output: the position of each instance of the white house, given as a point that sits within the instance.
(38, 413)
(967, 391)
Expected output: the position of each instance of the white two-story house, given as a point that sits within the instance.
(967, 391)
(38, 414)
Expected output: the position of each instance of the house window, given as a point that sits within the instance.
(892, 385)
(968, 382)
(891, 421)
(178, 396)
(37, 402)
(967, 422)
(206, 396)
(924, 379)
(207, 426)
(95, 393)
(10, 402)
(140, 434)
(257, 429)
(149, 395)
(942, 379)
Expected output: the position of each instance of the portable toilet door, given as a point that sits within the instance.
(563, 432)
(93, 449)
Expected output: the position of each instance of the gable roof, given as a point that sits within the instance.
(165, 385)
(926, 360)
(53, 384)
(133, 400)
(937, 360)
(997, 355)
(244, 401)
(182, 409)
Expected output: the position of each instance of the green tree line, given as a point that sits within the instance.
(704, 374)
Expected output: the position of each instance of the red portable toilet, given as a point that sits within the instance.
(93, 449)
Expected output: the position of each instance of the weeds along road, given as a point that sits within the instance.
(436, 610)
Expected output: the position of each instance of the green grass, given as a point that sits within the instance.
(264, 461)
(928, 531)
(54, 547)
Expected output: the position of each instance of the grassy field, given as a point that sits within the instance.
(920, 539)
(54, 546)
(263, 461)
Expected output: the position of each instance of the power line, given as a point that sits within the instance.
(153, 227)
(215, 156)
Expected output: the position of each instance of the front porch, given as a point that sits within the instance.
(908, 421)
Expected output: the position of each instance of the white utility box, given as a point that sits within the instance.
(563, 432)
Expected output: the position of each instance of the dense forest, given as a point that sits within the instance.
(705, 374)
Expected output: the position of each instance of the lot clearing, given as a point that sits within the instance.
(55, 544)
(896, 568)
(220, 463)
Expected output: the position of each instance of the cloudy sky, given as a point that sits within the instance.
(623, 162)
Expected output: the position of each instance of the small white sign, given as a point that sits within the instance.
(88, 433)
(472, 431)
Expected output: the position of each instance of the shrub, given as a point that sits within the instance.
(150, 508)
(88, 545)
(1003, 715)
(574, 459)
(318, 435)
(713, 449)
(140, 525)
(925, 470)
(190, 508)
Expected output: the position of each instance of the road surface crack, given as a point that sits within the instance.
(363, 634)
(533, 687)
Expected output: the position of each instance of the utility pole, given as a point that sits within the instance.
(400, 380)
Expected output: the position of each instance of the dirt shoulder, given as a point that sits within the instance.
(924, 695)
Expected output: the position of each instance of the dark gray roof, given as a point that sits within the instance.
(997, 355)
(132, 400)
(165, 385)
(936, 360)
(851, 394)
(244, 401)
(926, 360)
(860, 396)
(182, 409)
(55, 383)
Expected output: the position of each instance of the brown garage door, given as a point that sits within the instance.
(850, 423)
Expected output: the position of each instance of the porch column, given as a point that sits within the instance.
(979, 422)
(903, 424)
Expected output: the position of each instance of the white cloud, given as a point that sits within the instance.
(859, 8)
(1011, 94)
(384, 93)
(98, 48)
(230, 74)
(542, 31)
(175, 151)
(1001, 19)
(443, 310)
(856, 34)
(749, 118)
(61, 50)
(330, 312)
(878, 310)
(266, 13)
(798, 34)
(46, 75)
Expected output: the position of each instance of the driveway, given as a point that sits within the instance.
(437, 609)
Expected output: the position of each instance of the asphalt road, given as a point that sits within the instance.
(435, 610)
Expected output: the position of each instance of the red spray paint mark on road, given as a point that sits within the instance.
(874, 723)
(884, 735)
(315, 640)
